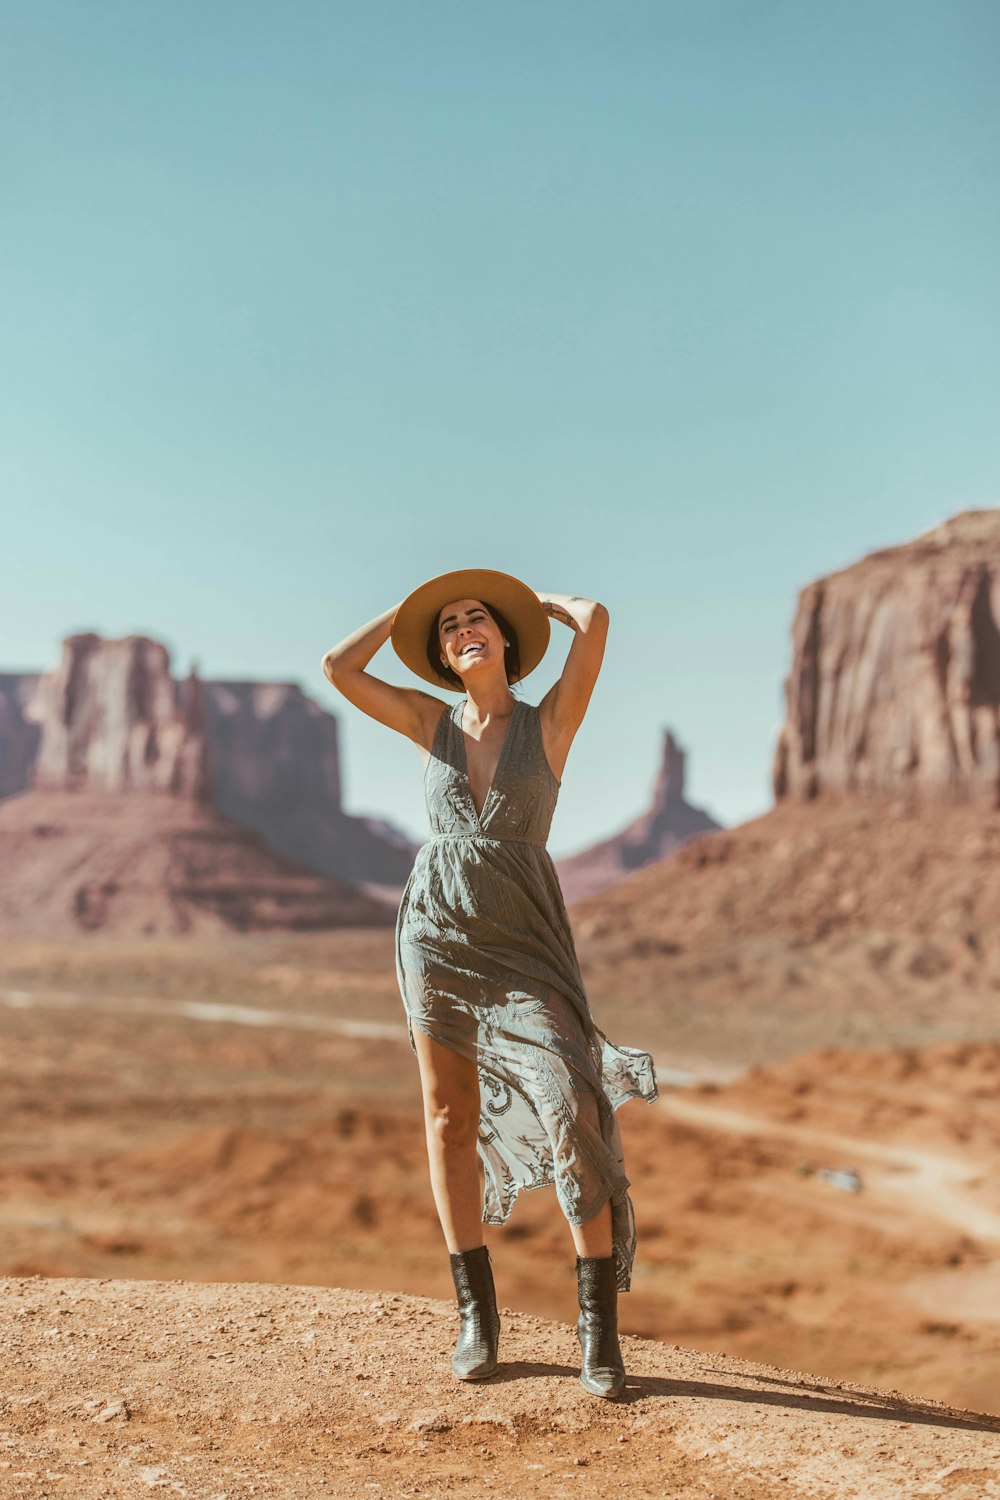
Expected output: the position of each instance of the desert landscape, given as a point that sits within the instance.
(212, 1115)
(257, 1118)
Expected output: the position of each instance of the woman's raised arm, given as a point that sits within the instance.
(562, 709)
(407, 710)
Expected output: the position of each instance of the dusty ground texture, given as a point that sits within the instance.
(122, 1389)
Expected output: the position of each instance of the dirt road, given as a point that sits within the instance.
(920, 1182)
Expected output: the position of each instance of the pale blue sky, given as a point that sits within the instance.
(675, 305)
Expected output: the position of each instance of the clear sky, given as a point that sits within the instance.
(675, 305)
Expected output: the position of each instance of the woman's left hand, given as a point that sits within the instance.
(573, 611)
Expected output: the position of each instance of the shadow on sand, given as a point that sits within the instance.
(798, 1396)
(878, 1407)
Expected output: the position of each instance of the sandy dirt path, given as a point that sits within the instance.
(204, 1010)
(224, 1392)
(924, 1182)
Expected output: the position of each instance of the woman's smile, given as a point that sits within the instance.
(467, 633)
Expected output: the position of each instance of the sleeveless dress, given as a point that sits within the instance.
(487, 967)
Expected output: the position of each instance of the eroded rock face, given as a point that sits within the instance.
(270, 745)
(112, 719)
(276, 768)
(895, 679)
(669, 822)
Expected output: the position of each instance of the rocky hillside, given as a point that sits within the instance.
(143, 864)
(669, 822)
(125, 1388)
(847, 920)
(895, 679)
(809, 873)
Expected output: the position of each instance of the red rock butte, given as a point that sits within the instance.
(895, 679)
(119, 834)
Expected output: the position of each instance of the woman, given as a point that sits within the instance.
(511, 1063)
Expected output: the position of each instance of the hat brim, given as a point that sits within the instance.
(413, 619)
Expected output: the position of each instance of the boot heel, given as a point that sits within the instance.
(475, 1355)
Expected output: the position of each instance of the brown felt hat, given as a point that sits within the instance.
(520, 605)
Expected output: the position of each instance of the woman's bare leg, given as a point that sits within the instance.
(594, 1237)
(450, 1086)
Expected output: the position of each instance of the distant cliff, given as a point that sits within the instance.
(895, 679)
(276, 767)
(112, 719)
(669, 822)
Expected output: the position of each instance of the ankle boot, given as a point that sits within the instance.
(475, 1354)
(603, 1372)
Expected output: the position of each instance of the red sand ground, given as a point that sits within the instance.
(121, 1389)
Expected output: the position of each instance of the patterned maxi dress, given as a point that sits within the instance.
(487, 966)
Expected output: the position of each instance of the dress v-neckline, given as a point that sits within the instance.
(457, 721)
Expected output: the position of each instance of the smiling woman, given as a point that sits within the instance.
(471, 612)
(512, 1065)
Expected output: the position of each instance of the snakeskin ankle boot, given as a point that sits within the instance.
(475, 1354)
(603, 1372)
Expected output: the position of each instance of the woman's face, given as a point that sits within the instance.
(469, 636)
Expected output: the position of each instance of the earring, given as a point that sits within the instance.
(506, 643)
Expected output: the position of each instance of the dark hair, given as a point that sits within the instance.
(511, 654)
